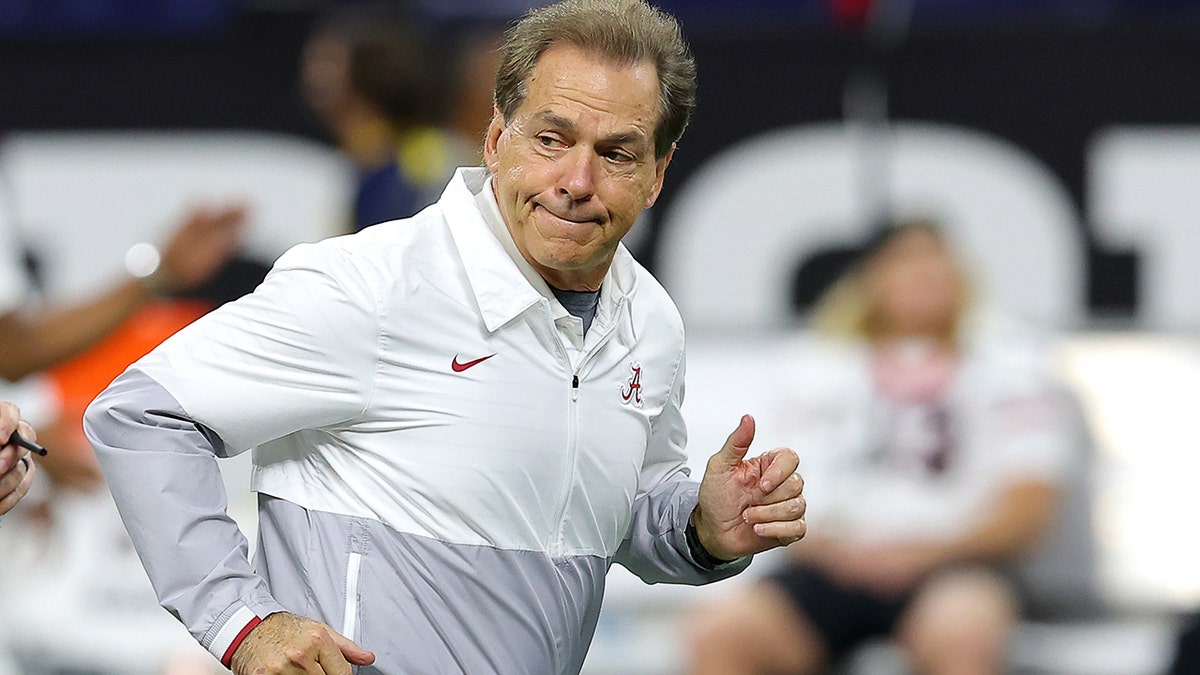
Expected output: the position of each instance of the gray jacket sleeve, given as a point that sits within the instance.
(162, 470)
(655, 546)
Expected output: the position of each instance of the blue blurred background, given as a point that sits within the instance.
(118, 19)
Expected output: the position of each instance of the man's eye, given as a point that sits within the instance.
(550, 141)
(618, 156)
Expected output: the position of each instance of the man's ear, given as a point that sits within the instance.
(491, 140)
(660, 170)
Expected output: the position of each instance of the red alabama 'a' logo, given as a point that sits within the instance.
(631, 391)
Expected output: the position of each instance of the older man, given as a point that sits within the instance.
(462, 419)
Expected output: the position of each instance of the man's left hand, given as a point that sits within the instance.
(749, 505)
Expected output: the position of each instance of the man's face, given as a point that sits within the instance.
(575, 166)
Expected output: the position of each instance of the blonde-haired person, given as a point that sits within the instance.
(875, 300)
(933, 448)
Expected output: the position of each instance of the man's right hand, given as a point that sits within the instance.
(289, 643)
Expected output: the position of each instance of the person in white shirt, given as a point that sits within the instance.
(462, 419)
(935, 444)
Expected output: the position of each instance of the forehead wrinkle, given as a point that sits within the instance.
(554, 119)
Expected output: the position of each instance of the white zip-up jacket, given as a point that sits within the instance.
(446, 465)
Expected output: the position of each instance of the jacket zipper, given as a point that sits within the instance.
(350, 616)
(557, 546)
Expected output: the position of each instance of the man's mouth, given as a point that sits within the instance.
(573, 220)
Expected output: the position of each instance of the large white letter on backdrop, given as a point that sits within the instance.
(738, 228)
(1144, 194)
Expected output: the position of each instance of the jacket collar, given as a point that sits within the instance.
(503, 282)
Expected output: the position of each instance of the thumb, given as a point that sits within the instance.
(351, 651)
(737, 444)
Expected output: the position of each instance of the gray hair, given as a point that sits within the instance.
(624, 31)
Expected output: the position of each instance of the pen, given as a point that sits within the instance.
(20, 440)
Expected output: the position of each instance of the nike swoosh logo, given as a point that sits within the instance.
(459, 367)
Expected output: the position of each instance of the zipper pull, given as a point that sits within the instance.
(574, 381)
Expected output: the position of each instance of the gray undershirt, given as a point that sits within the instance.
(579, 303)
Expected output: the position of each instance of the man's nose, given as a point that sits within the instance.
(578, 181)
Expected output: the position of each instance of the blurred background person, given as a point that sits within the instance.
(378, 84)
(34, 338)
(61, 339)
(66, 558)
(39, 335)
(931, 436)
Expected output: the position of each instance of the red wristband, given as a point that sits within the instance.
(225, 660)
